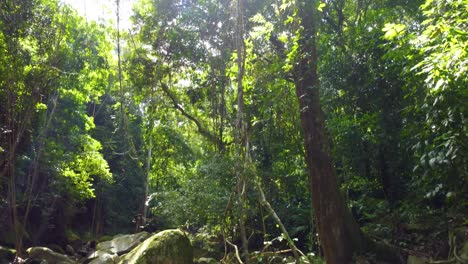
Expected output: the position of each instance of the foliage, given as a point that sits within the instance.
(435, 53)
(58, 63)
(442, 44)
(81, 138)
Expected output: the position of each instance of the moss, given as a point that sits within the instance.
(168, 247)
(105, 238)
(71, 236)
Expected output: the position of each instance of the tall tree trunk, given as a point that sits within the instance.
(241, 128)
(339, 234)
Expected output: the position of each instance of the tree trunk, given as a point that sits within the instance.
(241, 129)
(339, 234)
(146, 183)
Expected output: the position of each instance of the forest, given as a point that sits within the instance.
(235, 131)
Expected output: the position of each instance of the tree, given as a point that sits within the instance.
(58, 65)
(339, 234)
(242, 147)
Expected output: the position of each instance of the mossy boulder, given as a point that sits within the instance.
(56, 248)
(166, 247)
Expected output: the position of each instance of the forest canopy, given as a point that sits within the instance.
(328, 130)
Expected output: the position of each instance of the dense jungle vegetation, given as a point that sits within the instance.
(334, 129)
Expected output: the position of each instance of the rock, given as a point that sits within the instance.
(56, 248)
(87, 248)
(415, 260)
(166, 247)
(69, 250)
(102, 257)
(206, 261)
(7, 255)
(46, 254)
(123, 243)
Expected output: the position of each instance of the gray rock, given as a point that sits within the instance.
(123, 243)
(49, 256)
(103, 257)
(207, 261)
(70, 250)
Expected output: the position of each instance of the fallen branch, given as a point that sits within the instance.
(296, 252)
(236, 249)
(273, 253)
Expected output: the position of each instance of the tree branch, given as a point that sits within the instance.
(203, 131)
(296, 252)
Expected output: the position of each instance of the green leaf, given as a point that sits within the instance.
(41, 106)
(321, 6)
(393, 30)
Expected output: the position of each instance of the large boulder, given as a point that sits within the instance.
(166, 247)
(122, 244)
(46, 254)
(103, 257)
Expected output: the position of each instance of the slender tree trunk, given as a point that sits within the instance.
(34, 171)
(146, 183)
(222, 110)
(241, 129)
(339, 234)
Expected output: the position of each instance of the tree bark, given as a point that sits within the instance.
(147, 176)
(241, 129)
(339, 234)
